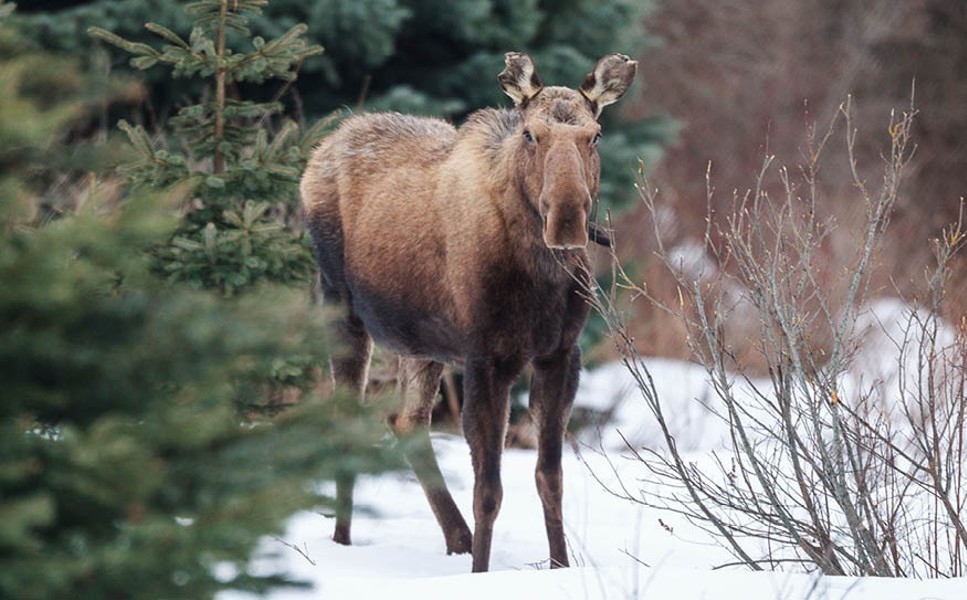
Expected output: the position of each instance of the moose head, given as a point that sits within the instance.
(557, 156)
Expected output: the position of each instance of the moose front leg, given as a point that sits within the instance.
(485, 410)
(552, 393)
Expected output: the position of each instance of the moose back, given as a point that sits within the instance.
(466, 246)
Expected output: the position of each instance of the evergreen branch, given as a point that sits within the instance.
(283, 57)
(282, 138)
(315, 133)
(251, 110)
(291, 44)
(126, 45)
(290, 36)
(203, 8)
(168, 34)
(261, 141)
(138, 138)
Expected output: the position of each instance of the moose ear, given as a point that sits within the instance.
(519, 78)
(610, 79)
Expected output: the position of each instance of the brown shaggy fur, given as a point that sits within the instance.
(467, 247)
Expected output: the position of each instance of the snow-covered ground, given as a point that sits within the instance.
(619, 549)
(399, 551)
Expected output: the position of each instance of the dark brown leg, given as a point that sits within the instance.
(485, 411)
(552, 392)
(344, 507)
(420, 381)
(350, 364)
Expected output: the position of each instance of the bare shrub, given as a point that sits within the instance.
(739, 74)
(831, 466)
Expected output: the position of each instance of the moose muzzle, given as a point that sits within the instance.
(565, 200)
(566, 228)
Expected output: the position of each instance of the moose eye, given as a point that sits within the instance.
(528, 136)
(596, 139)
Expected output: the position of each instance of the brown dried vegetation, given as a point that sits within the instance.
(747, 77)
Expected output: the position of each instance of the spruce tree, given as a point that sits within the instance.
(419, 56)
(125, 469)
(243, 173)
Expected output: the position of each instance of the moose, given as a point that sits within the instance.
(466, 247)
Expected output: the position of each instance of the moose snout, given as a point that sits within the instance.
(566, 228)
(565, 197)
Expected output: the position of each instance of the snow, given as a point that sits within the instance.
(399, 550)
(619, 549)
(691, 259)
(685, 395)
(891, 334)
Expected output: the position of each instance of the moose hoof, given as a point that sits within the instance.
(341, 536)
(462, 543)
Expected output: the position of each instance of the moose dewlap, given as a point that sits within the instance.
(466, 246)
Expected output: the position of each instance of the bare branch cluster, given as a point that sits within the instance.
(828, 466)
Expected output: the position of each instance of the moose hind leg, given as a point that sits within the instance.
(344, 507)
(420, 380)
(350, 367)
(551, 395)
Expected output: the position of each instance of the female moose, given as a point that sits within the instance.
(467, 247)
